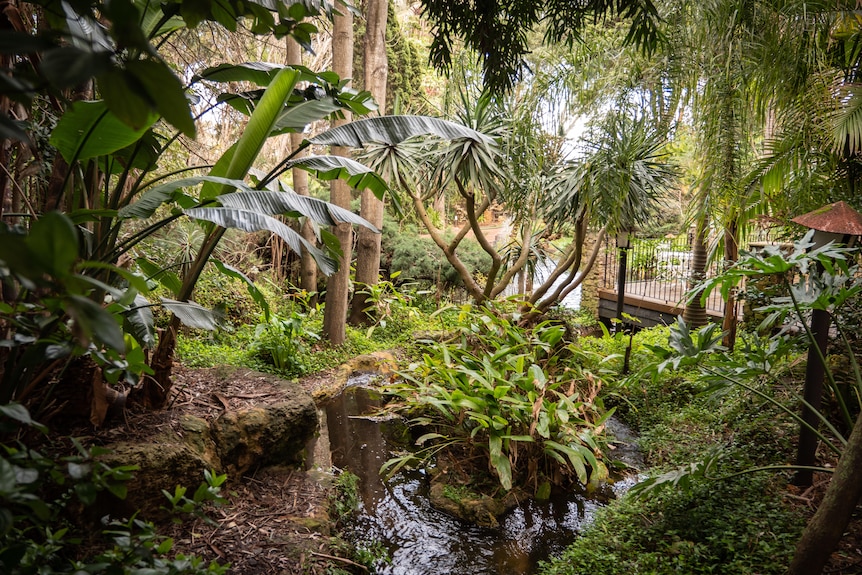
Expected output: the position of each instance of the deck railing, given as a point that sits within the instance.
(658, 269)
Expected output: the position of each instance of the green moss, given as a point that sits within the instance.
(730, 527)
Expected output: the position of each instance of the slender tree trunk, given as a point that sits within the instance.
(826, 528)
(448, 250)
(338, 284)
(695, 311)
(368, 242)
(731, 254)
(307, 266)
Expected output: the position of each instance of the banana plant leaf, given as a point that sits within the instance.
(392, 130)
(269, 202)
(357, 176)
(260, 73)
(140, 323)
(192, 314)
(250, 221)
(150, 200)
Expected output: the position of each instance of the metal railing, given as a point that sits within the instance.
(658, 269)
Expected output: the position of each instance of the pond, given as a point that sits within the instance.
(397, 521)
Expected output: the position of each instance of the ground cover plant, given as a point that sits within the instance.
(507, 397)
(710, 516)
(719, 428)
(289, 343)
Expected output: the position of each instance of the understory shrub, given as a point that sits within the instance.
(417, 258)
(730, 527)
(509, 396)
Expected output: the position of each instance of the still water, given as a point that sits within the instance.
(418, 539)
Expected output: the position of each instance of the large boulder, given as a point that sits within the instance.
(272, 428)
(268, 435)
(162, 465)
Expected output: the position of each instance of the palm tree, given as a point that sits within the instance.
(615, 186)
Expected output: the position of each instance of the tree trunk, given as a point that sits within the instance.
(338, 284)
(695, 311)
(307, 266)
(826, 528)
(731, 254)
(368, 243)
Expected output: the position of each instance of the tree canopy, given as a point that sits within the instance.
(498, 31)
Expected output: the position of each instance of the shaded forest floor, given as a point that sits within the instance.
(276, 519)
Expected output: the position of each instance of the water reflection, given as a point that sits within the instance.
(421, 540)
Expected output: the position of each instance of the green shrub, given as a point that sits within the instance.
(281, 342)
(417, 258)
(503, 392)
(731, 527)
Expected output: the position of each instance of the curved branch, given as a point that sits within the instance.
(519, 264)
(578, 279)
(449, 251)
(496, 260)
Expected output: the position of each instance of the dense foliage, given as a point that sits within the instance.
(511, 395)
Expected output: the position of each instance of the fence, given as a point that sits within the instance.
(657, 269)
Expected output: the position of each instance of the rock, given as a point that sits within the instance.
(196, 434)
(379, 362)
(249, 438)
(235, 442)
(161, 465)
(470, 506)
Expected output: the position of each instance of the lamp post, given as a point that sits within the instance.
(623, 245)
(840, 223)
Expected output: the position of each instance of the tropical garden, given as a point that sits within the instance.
(282, 186)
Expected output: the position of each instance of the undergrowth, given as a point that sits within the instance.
(719, 519)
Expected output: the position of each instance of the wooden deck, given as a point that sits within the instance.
(653, 306)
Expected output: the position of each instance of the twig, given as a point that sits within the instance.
(342, 559)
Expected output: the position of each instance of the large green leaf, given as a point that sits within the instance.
(500, 461)
(166, 92)
(192, 314)
(53, 243)
(165, 277)
(68, 66)
(150, 200)
(244, 153)
(269, 202)
(392, 130)
(250, 221)
(140, 322)
(125, 97)
(89, 129)
(94, 323)
(296, 117)
(261, 73)
(296, 114)
(357, 176)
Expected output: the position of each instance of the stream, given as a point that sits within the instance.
(396, 516)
